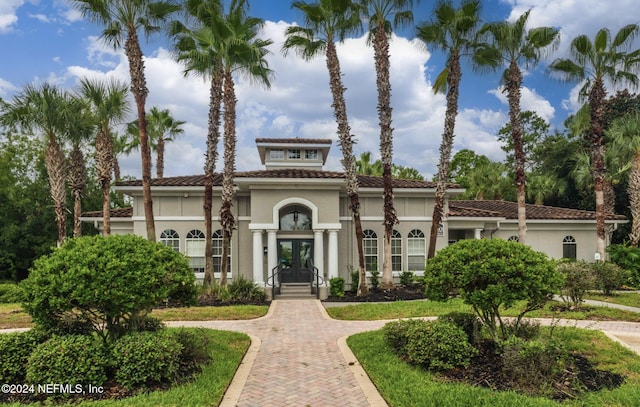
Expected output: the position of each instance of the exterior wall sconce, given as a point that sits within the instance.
(185, 195)
(265, 250)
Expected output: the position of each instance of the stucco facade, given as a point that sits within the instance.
(293, 213)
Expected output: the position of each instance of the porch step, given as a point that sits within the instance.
(295, 291)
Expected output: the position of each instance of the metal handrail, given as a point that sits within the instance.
(318, 278)
(274, 272)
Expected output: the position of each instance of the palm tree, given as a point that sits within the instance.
(108, 102)
(162, 128)
(453, 32)
(46, 109)
(197, 48)
(326, 22)
(517, 46)
(80, 129)
(604, 58)
(544, 186)
(625, 132)
(364, 165)
(122, 19)
(378, 13)
(238, 50)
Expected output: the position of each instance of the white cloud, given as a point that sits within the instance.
(529, 100)
(40, 17)
(8, 16)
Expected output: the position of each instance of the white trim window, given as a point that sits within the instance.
(216, 240)
(170, 238)
(293, 154)
(195, 243)
(396, 251)
(370, 243)
(569, 247)
(416, 250)
(311, 154)
(276, 154)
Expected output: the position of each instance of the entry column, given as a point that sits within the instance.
(333, 254)
(272, 250)
(318, 251)
(258, 275)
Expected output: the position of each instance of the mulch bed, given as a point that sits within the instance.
(397, 293)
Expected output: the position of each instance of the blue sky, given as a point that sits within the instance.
(47, 40)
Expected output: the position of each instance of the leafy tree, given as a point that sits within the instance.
(326, 22)
(453, 31)
(27, 227)
(383, 16)
(109, 282)
(534, 131)
(108, 103)
(364, 165)
(517, 47)
(122, 20)
(604, 58)
(490, 275)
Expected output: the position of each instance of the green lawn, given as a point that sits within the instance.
(410, 309)
(631, 299)
(12, 315)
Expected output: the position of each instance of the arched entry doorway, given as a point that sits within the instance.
(295, 244)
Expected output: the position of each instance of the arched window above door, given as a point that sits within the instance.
(295, 217)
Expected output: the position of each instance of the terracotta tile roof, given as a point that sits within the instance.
(509, 210)
(294, 140)
(115, 213)
(365, 181)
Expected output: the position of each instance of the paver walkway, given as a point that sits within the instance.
(299, 362)
(299, 357)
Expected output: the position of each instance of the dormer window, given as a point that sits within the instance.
(293, 154)
(276, 154)
(311, 154)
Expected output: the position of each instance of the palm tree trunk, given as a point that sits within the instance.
(381, 57)
(513, 85)
(160, 156)
(633, 189)
(227, 219)
(104, 161)
(77, 179)
(56, 171)
(453, 84)
(140, 91)
(596, 98)
(213, 135)
(348, 160)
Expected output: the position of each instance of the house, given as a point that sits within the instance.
(294, 214)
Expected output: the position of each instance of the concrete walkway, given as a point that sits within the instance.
(299, 357)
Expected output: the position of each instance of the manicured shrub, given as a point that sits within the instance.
(374, 279)
(490, 274)
(194, 343)
(406, 277)
(628, 258)
(145, 358)
(10, 293)
(336, 287)
(105, 281)
(355, 278)
(441, 346)
(578, 278)
(15, 349)
(71, 359)
(609, 276)
(245, 290)
(397, 333)
(469, 322)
